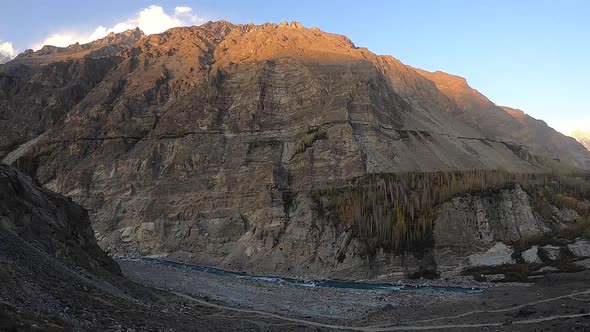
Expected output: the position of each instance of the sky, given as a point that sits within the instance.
(530, 55)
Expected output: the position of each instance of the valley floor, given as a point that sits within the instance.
(556, 302)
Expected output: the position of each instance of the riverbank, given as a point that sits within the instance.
(547, 305)
(281, 298)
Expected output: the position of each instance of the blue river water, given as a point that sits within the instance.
(310, 283)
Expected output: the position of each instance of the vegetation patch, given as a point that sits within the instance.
(396, 211)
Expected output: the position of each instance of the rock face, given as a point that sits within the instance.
(499, 254)
(474, 226)
(476, 222)
(580, 248)
(207, 141)
(531, 255)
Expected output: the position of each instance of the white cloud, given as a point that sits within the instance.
(182, 10)
(150, 20)
(186, 13)
(7, 51)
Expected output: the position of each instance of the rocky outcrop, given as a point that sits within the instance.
(580, 248)
(475, 222)
(499, 254)
(483, 230)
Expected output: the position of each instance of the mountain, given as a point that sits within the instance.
(582, 137)
(218, 142)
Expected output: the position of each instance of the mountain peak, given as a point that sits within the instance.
(126, 37)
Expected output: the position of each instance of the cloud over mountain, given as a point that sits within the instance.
(150, 20)
(7, 51)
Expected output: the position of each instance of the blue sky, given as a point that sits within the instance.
(531, 55)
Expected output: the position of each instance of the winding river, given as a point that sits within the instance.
(326, 283)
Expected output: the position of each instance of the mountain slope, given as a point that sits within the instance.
(508, 123)
(38, 88)
(211, 139)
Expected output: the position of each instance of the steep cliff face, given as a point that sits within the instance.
(476, 222)
(207, 141)
(473, 224)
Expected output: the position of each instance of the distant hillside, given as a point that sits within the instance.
(582, 137)
(508, 123)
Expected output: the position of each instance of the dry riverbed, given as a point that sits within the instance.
(555, 302)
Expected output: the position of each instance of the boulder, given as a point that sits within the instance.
(531, 255)
(499, 254)
(581, 248)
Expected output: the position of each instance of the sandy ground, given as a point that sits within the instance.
(556, 302)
